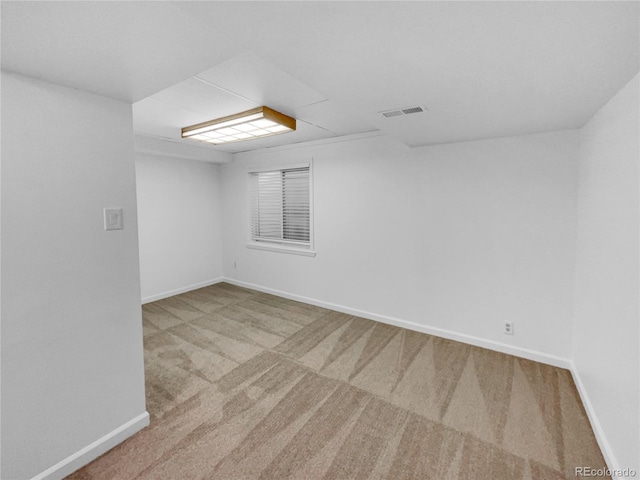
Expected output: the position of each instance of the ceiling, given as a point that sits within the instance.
(481, 69)
(241, 83)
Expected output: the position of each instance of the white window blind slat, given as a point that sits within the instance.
(280, 205)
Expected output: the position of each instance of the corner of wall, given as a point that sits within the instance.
(605, 303)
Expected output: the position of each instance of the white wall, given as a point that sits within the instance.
(605, 343)
(72, 366)
(458, 237)
(179, 208)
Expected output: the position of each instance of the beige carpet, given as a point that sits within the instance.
(245, 385)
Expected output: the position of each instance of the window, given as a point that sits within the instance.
(281, 209)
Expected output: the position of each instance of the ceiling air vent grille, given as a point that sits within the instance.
(407, 111)
(402, 111)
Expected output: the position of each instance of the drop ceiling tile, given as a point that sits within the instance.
(161, 119)
(331, 116)
(203, 98)
(255, 79)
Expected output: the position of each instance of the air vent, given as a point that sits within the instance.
(407, 111)
(403, 111)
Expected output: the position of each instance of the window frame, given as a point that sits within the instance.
(281, 245)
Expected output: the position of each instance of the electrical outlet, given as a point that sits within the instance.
(235, 264)
(508, 328)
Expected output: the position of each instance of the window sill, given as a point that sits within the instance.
(282, 249)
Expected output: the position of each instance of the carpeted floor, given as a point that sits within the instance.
(245, 385)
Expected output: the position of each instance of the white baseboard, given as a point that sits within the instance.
(94, 450)
(439, 332)
(178, 291)
(601, 438)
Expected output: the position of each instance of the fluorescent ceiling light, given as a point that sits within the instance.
(258, 122)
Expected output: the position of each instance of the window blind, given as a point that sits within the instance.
(280, 206)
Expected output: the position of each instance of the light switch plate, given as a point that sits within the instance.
(113, 219)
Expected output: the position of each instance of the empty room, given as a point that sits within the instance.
(320, 240)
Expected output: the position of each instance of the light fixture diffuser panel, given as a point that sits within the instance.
(256, 123)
